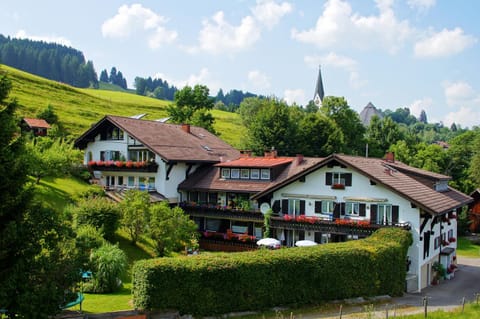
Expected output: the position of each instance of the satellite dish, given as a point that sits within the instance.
(264, 208)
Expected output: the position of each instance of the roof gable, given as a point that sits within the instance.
(170, 141)
(400, 181)
(36, 123)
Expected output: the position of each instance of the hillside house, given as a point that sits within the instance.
(125, 153)
(39, 127)
(227, 192)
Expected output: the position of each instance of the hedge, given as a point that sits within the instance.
(261, 279)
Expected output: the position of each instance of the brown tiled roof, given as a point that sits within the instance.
(169, 141)
(397, 178)
(36, 123)
(209, 179)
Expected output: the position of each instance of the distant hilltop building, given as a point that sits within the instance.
(319, 92)
(368, 112)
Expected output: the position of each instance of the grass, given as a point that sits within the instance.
(56, 193)
(78, 109)
(466, 248)
(122, 299)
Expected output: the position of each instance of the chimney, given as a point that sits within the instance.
(186, 128)
(270, 154)
(390, 157)
(299, 159)
(245, 154)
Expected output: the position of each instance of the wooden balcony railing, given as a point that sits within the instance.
(123, 166)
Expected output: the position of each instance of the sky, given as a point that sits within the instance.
(420, 54)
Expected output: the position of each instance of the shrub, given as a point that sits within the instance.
(208, 285)
(109, 263)
(88, 239)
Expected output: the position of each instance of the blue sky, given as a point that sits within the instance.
(421, 54)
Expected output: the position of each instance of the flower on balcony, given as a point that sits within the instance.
(100, 163)
(452, 239)
(288, 217)
(109, 163)
(338, 186)
(301, 218)
(129, 164)
(140, 164)
(445, 243)
(119, 164)
(92, 163)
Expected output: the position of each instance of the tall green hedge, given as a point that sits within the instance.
(261, 279)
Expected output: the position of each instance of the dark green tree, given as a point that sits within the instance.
(381, 134)
(35, 265)
(104, 76)
(319, 136)
(423, 117)
(348, 121)
(192, 106)
(48, 114)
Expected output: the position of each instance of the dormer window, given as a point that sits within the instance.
(265, 173)
(338, 180)
(245, 173)
(226, 173)
(441, 186)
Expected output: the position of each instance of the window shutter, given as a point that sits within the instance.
(348, 179)
(342, 208)
(285, 206)
(318, 207)
(362, 212)
(302, 207)
(394, 214)
(276, 207)
(336, 211)
(328, 179)
(373, 214)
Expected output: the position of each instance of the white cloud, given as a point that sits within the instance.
(291, 96)
(458, 93)
(417, 106)
(217, 35)
(444, 43)
(421, 5)
(338, 26)
(137, 19)
(22, 34)
(465, 116)
(269, 13)
(258, 79)
(203, 77)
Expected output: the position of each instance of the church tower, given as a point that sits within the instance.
(319, 93)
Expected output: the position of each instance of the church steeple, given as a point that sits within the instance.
(319, 93)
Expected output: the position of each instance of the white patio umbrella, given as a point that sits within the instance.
(270, 242)
(305, 243)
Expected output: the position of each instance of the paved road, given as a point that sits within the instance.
(448, 294)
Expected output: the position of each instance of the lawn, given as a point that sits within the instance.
(466, 248)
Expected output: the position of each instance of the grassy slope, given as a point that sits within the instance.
(78, 109)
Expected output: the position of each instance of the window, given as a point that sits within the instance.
(239, 227)
(265, 173)
(336, 178)
(324, 207)
(436, 243)
(244, 173)
(235, 173)
(225, 172)
(293, 207)
(140, 155)
(131, 181)
(258, 231)
(352, 208)
(109, 155)
(255, 173)
(120, 180)
(384, 214)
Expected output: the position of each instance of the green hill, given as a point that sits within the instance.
(78, 109)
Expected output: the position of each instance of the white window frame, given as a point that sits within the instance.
(328, 206)
(245, 173)
(384, 214)
(235, 173)
(254, 173)
(352, 208)
(265, 173)
(225, 172)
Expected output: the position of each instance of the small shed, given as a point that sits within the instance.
(39, 127)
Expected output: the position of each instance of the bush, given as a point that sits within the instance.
(88, 239)
(109, 263)
(99, 213)
(255, 280)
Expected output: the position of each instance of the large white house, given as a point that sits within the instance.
(226, 192)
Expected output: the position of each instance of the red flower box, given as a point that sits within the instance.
(100, 163)
(129, 164)
(119, 164)
(92, 163)
(452, 239)
(288, 217)
(338, 186)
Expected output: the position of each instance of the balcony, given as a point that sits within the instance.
(130, 166)
(216, 211)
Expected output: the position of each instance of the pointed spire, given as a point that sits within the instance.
(319, 92)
